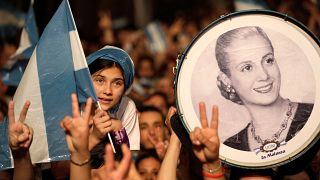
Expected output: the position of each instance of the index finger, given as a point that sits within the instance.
(87, 109)
(124, 166)
(11, 112)
(24, 111)
(109, 159)
(75, 106)
(159, 135)
(152, 139)
(203, 115)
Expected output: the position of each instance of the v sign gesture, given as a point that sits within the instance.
(77, 137)
(20, 139)
(206, 142)
(77, 127)
(20, 135)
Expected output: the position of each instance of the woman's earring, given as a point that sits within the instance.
(232, 94)
(224, 82)
(226, 89)
(231, 91)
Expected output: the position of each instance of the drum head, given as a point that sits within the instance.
(263, 56)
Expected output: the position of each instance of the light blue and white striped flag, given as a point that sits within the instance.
(156, 37)
(14, 68)
(56, 69)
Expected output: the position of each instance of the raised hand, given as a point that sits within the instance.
(20, 139)
(172, 110)
(159, 143)
(205, 140)
(77, 137)
(168, 169)
(121, 171)
(77, 129)
(105, 20)
(20, 134)
(177, 26)
(111, 171)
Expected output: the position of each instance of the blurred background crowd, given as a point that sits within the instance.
(132, 25)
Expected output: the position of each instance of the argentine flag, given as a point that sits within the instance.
(14, 68)
(156, 37)
(56, 69)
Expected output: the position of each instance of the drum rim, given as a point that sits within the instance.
(181, 57)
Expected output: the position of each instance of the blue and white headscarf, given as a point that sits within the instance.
(111, 53)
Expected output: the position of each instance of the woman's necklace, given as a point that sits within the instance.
(272, 143)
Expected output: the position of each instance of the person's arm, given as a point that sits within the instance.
(105, 25)
(168, 169)
(206, 145)
(77, 137)
(20, 139)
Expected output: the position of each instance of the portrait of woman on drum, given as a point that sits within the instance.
(250, 76)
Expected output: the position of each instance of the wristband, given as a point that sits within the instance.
(212, 171)
(82, 163)
(209, 175)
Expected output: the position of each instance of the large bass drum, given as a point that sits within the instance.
(295, 51)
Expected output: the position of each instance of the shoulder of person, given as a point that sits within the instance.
(239, 141)
(127, 108)
(127, 103)
(303, 112)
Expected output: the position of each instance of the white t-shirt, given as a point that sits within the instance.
(128, 115)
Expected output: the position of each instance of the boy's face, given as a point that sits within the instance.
(151, 126)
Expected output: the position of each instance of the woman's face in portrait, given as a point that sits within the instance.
(109, 86)
(254, 73)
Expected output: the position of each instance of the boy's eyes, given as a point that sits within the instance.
(143, 126)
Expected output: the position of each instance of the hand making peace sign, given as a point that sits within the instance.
(77, 127)
(205, 140)
(20, 134)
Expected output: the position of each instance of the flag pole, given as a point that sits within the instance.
(74, 24)
(109, 136)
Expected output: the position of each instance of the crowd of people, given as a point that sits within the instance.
(134, 85)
